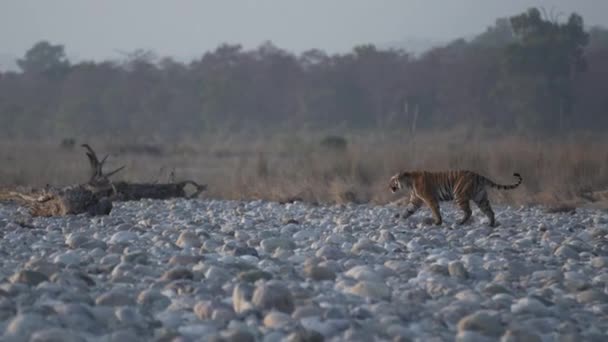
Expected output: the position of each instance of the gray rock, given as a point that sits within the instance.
(56, 335)
(198, 331)
(329, 252)
(529, 306)
(592, 296)
(276, 319)
(366, 245)
(135, 257)
(472, 336)
(77, 317)
(304, 335)
(27, 277)
(129, 316)
(217, 275)
(363, 272)
(319, 273)
(8, 308)
(183, 260)
(251, 276)
(81, 240)
(565, 251)
(241, 297)
(188, 239)
(43, 266)
(237, 335)
(269, 245)
(115, 297)
(520, 335)
(599, 262)
(68, 258)
(24, 325)
(272, 295)
(178, 273)
(386, 236)
(123, 237)
(457, 269)
(127, 335)
(371, 289)
(483, 323)
(306, 311)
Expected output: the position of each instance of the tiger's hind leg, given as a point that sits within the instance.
(484, 205)
(463, 204)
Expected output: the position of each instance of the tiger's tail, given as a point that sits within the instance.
(506, 187)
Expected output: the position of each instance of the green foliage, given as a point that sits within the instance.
(497, 36)
(44, 58)
(334, 143)
(523, 73)
(547, 54)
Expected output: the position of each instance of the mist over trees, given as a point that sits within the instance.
(526, 74)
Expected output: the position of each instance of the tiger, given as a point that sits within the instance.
(461, 186)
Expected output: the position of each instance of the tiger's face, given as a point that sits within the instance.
(395, 184)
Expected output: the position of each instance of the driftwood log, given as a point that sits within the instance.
(71, 200)
(96, 196)
(126, 191)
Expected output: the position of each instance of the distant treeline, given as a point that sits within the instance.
(528, 73)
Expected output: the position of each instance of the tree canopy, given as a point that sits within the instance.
(527, 73)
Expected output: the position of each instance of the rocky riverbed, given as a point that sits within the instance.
(207, 270)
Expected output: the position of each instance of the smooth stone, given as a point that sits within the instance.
(188, 239)
(530, 306)
(24, 325)
(27, 277)
(518, 335)
(363, 273)
(177, 273)
(456, 269)
(482, 323)
(269, 245)
(329, 252)
(237, 335)
(272, 295)
(276, 319)
(592, 296)
(241, 297)
(115, 298)
(319, 273)
(305, 335)
(123, 237)
(370, 289)
(56, 335)
(251, 276)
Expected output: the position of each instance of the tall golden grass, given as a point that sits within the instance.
(296, 165)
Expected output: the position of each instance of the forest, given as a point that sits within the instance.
(528, 74)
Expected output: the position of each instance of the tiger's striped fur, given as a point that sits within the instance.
(461, 186)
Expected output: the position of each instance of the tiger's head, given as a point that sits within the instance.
(400, 181)
(396, 182)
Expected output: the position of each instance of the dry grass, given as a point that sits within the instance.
(296, 165)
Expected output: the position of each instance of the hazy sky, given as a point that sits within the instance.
(186, 28)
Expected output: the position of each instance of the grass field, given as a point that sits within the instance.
(313, 167)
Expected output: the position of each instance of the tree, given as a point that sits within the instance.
(44, 58)
(499, 35)
(548, 54)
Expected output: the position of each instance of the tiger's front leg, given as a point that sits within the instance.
(412, 206)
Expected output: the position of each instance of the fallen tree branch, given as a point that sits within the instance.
(71, 200)
(95, 197)
(135, 191)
